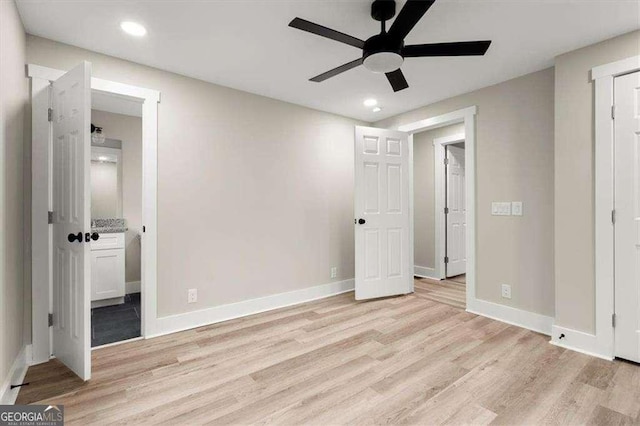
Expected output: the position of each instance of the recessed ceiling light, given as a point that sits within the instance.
(103, 158)
(370, 102)
(377, 109)
(133, 28)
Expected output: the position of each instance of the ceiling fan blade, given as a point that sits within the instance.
(411, 13)
(460, 48)
(310, 27)
(336, 71)
(397, 80)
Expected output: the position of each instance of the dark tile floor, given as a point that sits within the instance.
(115, 323)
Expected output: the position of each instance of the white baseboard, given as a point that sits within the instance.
(188, 320)
(525, 319)
(15, 376)
(132, 287)
(580, 341)
(424, 272)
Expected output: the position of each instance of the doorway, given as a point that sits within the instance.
(116, 219)
(61, 244)
(380, 165)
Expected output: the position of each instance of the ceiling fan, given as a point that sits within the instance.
(385, 52)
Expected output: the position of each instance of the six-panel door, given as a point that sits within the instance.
(382, 242)
(627, 216)
(71, 118)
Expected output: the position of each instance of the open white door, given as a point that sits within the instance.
(71, 154)
(627, 216)
(382, 235)
(456, 258)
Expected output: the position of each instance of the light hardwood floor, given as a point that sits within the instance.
(404, 360)
(450, 292)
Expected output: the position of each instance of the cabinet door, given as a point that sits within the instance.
(107, 274)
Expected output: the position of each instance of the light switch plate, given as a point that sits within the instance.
(501, 208)
(516, 208)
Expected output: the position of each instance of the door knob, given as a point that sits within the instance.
(93, 236)
(362, 221)
(74, 237)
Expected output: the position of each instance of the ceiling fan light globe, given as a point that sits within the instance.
(383, 62)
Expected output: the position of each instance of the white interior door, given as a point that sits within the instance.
(72, 217)
(382, 227)
(627, 216)
(457, 213)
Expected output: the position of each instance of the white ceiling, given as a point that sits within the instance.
(247, 45)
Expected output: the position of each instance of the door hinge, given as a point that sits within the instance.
(446, 259)
(446, 210)
(446, 161)
(50, 114)
(144, 228)
(613, 320)
(50, 320)
(613, 112)
(49, 217)
(613, 217)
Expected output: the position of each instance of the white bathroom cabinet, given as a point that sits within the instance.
(107, 267)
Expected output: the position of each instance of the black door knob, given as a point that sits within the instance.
(362, 221)
(74, 237)
(95, 236)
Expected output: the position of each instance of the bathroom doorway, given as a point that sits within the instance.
(116, 218)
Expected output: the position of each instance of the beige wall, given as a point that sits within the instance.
(128, 129)
(104, 190)
(255, 196)
(424, 214)
(13, 98)
(514, 139)
(574, 182)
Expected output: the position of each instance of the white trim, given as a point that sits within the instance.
(578, 341)
(193, 319)
(602, 344)
(614, 69)
(132, 287)
(440, 200)
(519, 317)
(120, 342)
(466, 115)
(425, 272)
(41, 200)
(15, 376)
(439, 121)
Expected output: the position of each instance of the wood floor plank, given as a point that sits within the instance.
(414, 359)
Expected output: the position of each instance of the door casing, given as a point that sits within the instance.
(466, 116)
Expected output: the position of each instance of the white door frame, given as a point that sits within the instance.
(439, 146)
(41, 237)
(602, 343)
(466, 116)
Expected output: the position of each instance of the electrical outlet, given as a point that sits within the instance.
(334, 271)
(192, 296)
(506, 291)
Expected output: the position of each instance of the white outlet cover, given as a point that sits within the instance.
(506, 291)
(192, 295)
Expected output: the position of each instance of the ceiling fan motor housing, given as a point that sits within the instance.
(383, 10)
(382, 54)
